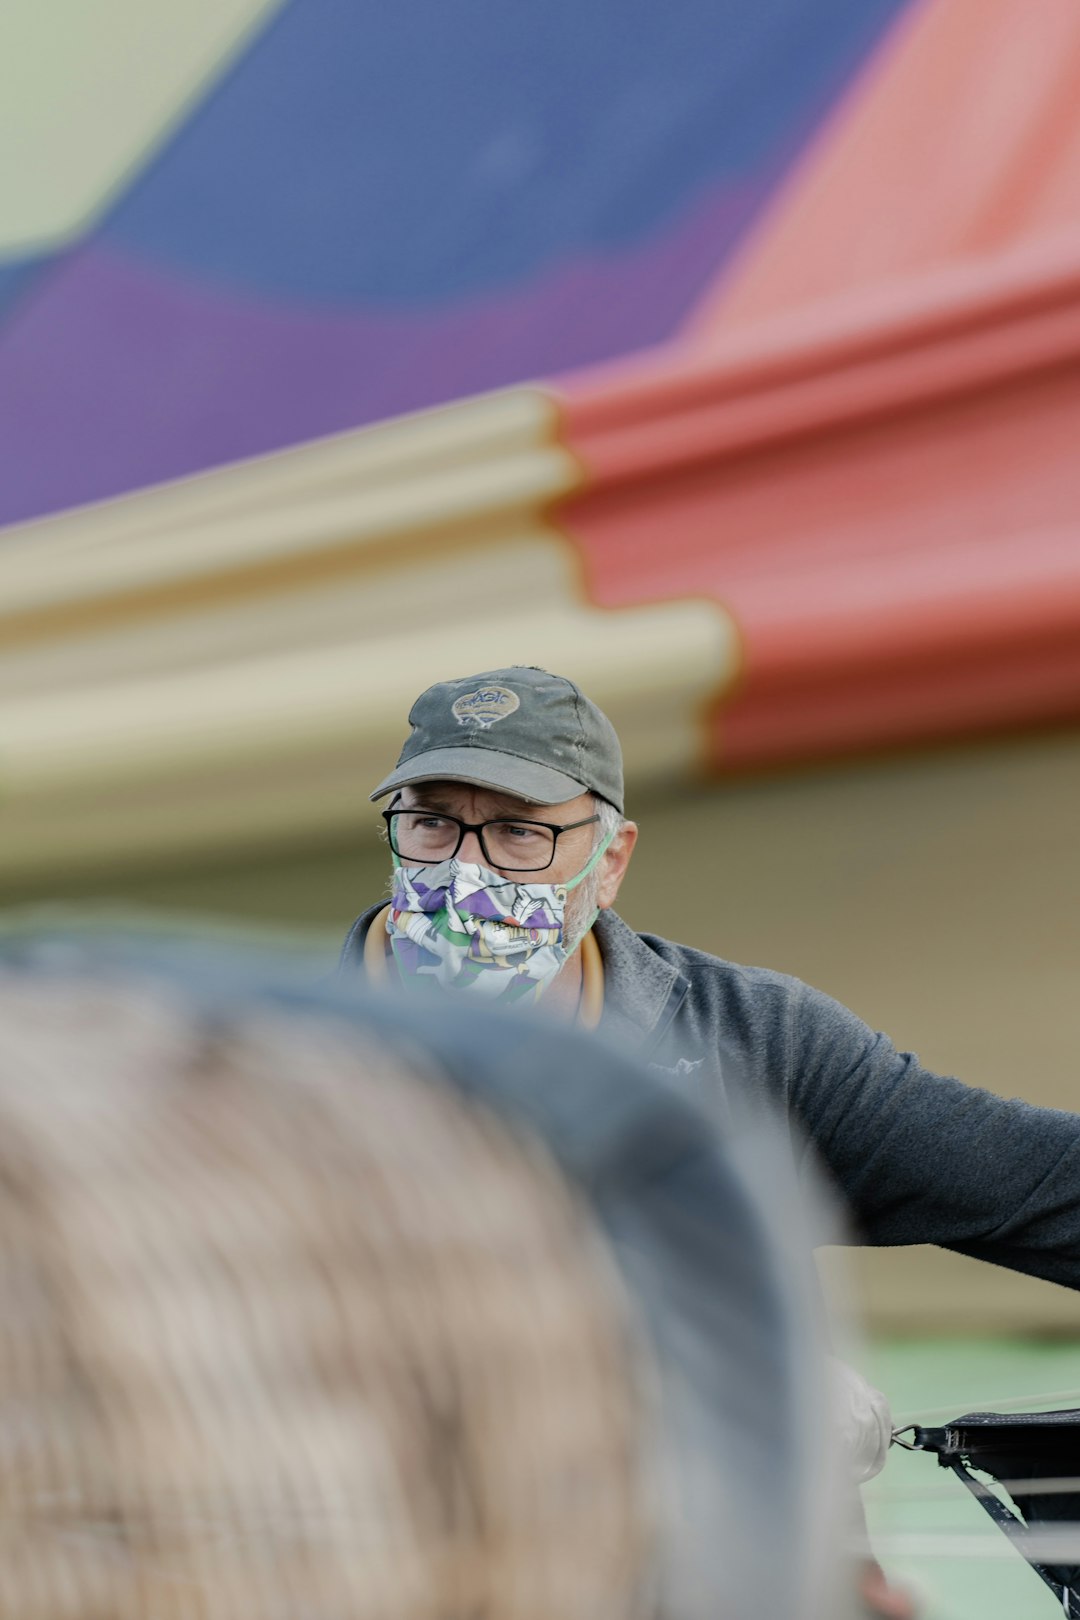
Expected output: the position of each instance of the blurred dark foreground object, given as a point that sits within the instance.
(1035, 1457)
(314, 1309)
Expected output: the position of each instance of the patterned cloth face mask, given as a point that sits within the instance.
(463, 927)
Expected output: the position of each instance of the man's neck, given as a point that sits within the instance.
(563, 995)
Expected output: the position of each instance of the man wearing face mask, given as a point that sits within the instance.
(505, 820)
(509, 845)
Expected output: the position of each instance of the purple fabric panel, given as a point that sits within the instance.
(118, 374)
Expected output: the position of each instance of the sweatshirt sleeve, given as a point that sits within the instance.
(921, 1158)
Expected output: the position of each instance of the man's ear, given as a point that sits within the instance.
(613, 866)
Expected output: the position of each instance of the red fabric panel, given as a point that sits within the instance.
(962, 139)
(890, 509)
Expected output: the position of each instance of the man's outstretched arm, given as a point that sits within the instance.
(921, 1158)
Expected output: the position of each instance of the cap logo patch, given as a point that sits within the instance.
(484, 706)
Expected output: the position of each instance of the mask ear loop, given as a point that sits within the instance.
(590, 866)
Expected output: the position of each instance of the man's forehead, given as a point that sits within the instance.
(451, 796)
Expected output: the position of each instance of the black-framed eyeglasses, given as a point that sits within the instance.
(507, 843)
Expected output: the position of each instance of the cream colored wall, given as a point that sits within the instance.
(935, 894)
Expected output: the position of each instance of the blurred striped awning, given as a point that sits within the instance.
(826, 504)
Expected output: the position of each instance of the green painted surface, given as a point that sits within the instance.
(938, 1379)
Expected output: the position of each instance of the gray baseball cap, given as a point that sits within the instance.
(519, 730)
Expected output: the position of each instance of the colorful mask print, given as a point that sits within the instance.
(463, 927)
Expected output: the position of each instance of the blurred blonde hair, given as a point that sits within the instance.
(286, 1330)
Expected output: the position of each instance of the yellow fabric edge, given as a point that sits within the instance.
(591, 1006)
(377, 948)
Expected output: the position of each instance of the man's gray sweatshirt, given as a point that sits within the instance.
(916, 1156)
